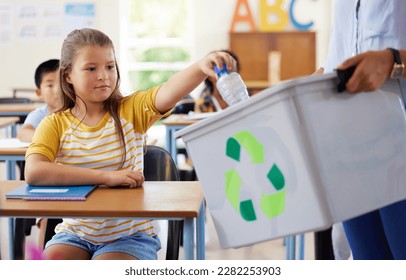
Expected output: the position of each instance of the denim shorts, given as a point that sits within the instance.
(139, 245)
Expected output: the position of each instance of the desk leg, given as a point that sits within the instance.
(11, 169)
(200, 233)
(170, 142)
(174, 149)
(11, 175)
(188, 238)
(14, 130)
(301, 246)
(11, 227)
(291, 247)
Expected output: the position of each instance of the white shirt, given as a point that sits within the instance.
(36, 116)
(378, 24)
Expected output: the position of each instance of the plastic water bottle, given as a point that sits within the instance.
(230, 85)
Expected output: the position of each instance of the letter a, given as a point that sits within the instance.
(242, 18)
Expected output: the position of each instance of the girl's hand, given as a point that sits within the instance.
(217, 59)
(372, 69)
(127, 178)
(185, 81)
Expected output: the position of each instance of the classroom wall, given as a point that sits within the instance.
(212, 23)
(20, 58)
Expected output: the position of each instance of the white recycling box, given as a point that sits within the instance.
(298, 157)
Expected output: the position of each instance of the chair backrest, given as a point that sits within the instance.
(27, 91)
(184, 106)
(158, 166)
(14, 100)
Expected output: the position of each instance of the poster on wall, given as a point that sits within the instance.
(38, 22)
(5, 24)
(33, 23)
(79, 15)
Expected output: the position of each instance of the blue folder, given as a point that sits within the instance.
(51, 192)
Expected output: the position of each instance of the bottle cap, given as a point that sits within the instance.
(222, 71)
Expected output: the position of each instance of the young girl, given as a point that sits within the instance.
(97, 138)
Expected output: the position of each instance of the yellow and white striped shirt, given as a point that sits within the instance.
(64, 140)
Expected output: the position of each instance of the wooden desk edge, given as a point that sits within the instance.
(6, 121)
(18, 207)
(13, 151)
(178, 119)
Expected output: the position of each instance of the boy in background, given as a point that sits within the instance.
(46, 82)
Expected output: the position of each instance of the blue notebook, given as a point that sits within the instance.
(51, 192)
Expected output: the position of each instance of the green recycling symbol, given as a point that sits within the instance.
(271, 204)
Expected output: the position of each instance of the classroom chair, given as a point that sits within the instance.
(25, 90)
(14, 100)
(184, 106)
(158, 166)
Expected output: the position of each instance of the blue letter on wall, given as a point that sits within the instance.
(296, 24)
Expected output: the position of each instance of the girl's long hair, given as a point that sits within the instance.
(76, 40)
